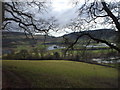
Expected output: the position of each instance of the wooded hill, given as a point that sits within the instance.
(11, 39)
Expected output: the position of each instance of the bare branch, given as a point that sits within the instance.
(95, 39)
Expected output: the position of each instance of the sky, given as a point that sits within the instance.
(63, 11)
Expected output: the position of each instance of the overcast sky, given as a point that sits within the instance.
(63, 11)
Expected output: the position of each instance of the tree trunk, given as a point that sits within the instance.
(110, 14)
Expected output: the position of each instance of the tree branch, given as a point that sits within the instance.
(111, 15)
(95, 39)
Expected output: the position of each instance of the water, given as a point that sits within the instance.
(98, 60)
(98, 45)
(53, 47)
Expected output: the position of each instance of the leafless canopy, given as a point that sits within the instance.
(93, 13)
(22, 16)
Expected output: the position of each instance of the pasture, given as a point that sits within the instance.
(57, 74)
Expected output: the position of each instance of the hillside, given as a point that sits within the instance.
(57, 74)
(11, 39)
(107, 34)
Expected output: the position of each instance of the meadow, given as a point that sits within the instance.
(57, 74)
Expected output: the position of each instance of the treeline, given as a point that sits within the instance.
(41, 53)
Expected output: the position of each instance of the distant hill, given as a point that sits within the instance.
(107, 34)
(12, 39)
(12, 33)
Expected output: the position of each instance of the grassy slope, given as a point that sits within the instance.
(67, 74)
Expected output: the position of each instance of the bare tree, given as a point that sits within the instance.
(89, 13)
(97, 12)
(22, 16)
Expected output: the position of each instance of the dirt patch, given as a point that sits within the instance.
(13, 80)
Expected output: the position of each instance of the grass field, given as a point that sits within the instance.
(57, 74)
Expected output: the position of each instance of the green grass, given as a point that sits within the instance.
(60, 73)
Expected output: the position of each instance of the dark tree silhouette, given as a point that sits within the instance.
(89, 12)
(18, 15)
